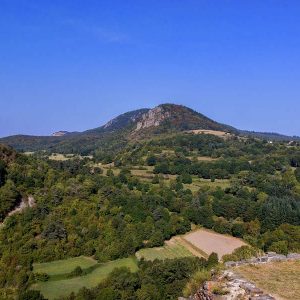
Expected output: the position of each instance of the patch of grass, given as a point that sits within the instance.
(170, 251)
(59, 288)
(278, 278)
(65, 266)
(200, 182)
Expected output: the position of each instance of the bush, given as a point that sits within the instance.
(76, 272)
(244, 252)
(279, 247)
(31, 295)
(195, 282)
(212, 260)
(41, 277)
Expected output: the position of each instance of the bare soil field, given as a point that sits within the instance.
(190, 247)
(209, 242)
(221, 134)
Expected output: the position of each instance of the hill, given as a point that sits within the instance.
(138, 124)
(147, 194)
(118, 131)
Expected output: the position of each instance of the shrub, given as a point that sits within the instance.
(212, 260)
(31, 295)
(196, 280)
(41, 276)
(244, 252)
(76, 272)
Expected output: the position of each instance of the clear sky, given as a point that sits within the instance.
(74, 64)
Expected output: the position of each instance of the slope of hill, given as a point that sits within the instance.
(146, 193)
(270, 136)
(137, 124)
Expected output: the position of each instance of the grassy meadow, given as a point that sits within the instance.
(165, 252)
(65, 266)
(54, 288)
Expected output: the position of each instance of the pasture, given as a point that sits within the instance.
(56, 288)
(64, 266)
(209, 241)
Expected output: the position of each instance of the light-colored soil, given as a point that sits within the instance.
(281, 279)
(209, 242)
(190, 247)
(221, 134)
(58, 157)
(206, 158)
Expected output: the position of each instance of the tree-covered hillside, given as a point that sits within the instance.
(114, 203)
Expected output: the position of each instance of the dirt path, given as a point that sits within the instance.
(29, 202)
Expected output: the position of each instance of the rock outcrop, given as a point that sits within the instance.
(154, 117)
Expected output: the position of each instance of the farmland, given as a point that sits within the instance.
(209, 242)
(168, 251)
(55, 288)
(145, 174)
(199, 242)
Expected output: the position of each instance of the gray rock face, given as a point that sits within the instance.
(153, 117)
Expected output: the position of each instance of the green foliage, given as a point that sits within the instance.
(297, 174)
(244, 252)
(31, 295)
(279, 247)
(76, 272)
(114, 213)
(286, 238)
(107, 294)
(9, 196)
(41, 276)
(198, 278)
(3, 172)
(212, 260)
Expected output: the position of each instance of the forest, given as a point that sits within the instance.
(97, 206)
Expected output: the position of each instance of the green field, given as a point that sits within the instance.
(53, 289)
(166, 252)
(65, 266)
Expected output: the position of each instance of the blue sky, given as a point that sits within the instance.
(74, 64)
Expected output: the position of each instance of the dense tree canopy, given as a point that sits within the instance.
(116, 202)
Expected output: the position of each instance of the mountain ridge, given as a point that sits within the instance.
(140, 123)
